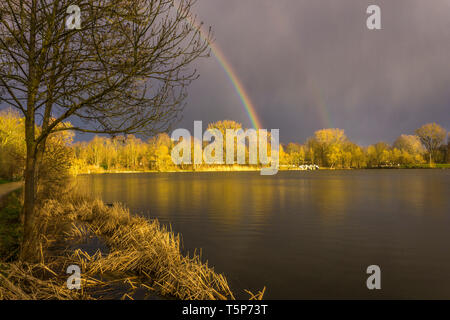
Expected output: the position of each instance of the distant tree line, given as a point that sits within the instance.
(329, 148)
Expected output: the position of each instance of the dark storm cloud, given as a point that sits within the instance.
(314, 64)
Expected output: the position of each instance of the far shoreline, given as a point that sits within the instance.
(249, 169)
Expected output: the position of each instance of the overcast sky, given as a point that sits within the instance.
(312, 64)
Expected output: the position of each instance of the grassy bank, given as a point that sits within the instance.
(224, 168)
(427, 166)
(117, 253)
(10, 225)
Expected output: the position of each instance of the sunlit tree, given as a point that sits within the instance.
(432, 137)
(408, 149)
(125, 71)
(327, 145)
(222, 126)
(12, 144)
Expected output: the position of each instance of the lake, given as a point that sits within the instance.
(304, 234)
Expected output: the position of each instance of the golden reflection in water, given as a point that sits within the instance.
(285, 231)
(332, 200)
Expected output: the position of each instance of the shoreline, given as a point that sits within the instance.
(121, 256)
(440, 167)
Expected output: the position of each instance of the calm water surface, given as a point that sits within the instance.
(304, 234)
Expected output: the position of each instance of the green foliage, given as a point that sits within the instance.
(10, 226)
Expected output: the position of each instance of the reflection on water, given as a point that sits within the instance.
(304, 234)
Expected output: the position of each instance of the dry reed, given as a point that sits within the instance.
(140, 253)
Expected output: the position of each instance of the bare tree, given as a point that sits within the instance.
(124, 71)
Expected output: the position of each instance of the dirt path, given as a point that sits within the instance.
(9, 187)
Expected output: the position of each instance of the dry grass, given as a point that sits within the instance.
(18, 281)
(141, 254)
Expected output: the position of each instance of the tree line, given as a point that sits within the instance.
(329, 148)
(332, 148)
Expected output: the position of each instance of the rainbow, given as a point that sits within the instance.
(231, 74)
(321, 106)
(238, 87)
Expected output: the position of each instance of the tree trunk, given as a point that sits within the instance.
(27, 251)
